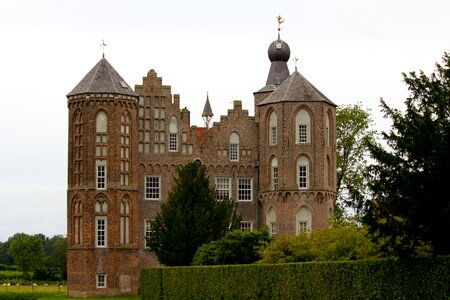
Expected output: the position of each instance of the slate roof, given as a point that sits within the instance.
(102, 78)
(207, 111)
(296, 88)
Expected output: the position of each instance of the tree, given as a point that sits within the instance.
(353, 132)
(410, 180)
(28, 252)
(191, 217)
(236, 247)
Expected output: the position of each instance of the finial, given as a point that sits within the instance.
(103, 45)
(280, 20)
(295, 59)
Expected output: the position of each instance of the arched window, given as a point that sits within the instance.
(303, 172)
(272, 222)
(78, 132)
(327, 130)
(303, 220)
(302, 127)
(234, 147)
(125, 149)
(101, 149)
(125, 222)
(274, 173)
(77, 222)
(173, 135)
(273, 129)
(101, 222)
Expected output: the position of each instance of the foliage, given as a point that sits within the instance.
(353, 131)
(410, 180)
(368, 279)
(191, 217)
(5, 257)
(344, 241)
(28, 252)
(236, 247)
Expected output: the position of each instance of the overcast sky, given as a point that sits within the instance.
(351, 50)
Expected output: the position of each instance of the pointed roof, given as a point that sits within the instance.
(296, 88)
(207, 111)
(103, 78)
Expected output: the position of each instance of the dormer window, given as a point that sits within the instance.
(278, 45)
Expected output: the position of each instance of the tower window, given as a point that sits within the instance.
(101, 231)
(274, 171)
(101, 281)
(101, 174)
(148, 232)
(303, 127)
(303, 172)
(173, 135)
(303, 220)
(125, 222)
(273, 129)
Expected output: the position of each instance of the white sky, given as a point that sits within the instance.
(351, 50)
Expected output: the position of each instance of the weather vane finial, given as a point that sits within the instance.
(280, 20)
(295, 61)
(103, 45)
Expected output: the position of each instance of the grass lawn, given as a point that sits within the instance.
(51, 292)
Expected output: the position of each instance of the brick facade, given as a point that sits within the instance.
(158, 139)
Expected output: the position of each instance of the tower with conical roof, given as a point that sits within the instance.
(297, 149)
(102, 240)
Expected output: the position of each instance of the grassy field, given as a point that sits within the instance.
(41, 292)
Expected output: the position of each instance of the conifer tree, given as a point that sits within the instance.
(410, 180)
(191, 217)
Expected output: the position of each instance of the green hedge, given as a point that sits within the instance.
(369, 279)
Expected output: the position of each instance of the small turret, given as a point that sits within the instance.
(207, 113)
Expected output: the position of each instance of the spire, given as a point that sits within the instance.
(103, 45)
(280, 21)
(207, 112)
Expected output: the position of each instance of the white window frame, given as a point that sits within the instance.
(100, 175)
(244, 189)
(303, 220)
(303, 172)
(274, 173)
(173, 142)
(303, 127)
(148, 232)
(101, 281)
(222, 189)
(246, 226)
(151, 191)
(273, 120)
(234, 147)
(272, 222)
(101, 232)
(273, 228)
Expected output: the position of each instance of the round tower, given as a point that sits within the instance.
(102, 235)
(297, 149)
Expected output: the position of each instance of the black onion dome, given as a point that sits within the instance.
(279, 51)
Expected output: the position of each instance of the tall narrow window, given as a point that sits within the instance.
(327, 130)
(101, 174)
(303, 220)
(148, 232)
(78, 135)
(303, 172)
(245, 189)
(272, 222)
(329, 173)
(234, 147)
(303, 127)
(125, 222)
(274, 173)
(152, 188)
(101, 223)
(101, 150)
(273, 128)
(223, 188)
(125, 149)
(173, 135)
(77, 222)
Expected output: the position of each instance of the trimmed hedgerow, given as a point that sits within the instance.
(369, 279)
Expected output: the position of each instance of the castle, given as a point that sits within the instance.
(279, 166)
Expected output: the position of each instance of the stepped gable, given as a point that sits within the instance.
(296, 88)
(102, 78)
